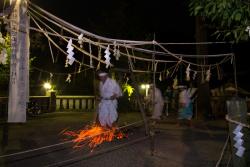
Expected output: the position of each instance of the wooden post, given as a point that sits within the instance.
(19, 63)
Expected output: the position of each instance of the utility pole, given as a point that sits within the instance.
(19, 63)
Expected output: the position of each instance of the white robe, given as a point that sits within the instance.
(107, 111)
(158, 103)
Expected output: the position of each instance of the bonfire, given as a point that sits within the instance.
(93, 136)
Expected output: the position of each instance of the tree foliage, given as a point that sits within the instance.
(230, 18)
(4, 68)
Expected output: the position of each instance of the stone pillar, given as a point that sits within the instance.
(19, 63)
(52, 102)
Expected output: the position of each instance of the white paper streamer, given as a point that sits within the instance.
(107, 57)
(70, 59)
(238, 143)
(240, 151)
(237, 129)
(238, 136)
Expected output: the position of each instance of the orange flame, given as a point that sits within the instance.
(93, 136)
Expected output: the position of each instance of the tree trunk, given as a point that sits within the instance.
(19, 68)
(203, 99)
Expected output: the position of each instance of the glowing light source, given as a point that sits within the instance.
(47, 86)
(146, 87)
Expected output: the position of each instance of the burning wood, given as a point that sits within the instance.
(93, 136)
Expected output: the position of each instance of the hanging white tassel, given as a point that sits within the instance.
(80, 40)
(188, 73)
(208, 75)
(107, 57)
(91, 59)
(99, 58)
(160, 77)
(68, 78)
(194, 75)
(116, 51)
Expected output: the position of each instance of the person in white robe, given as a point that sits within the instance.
(110, 91)
(157, 101)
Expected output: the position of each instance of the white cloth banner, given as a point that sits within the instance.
(19, 67)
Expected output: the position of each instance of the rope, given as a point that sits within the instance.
(79, 30)
(80, 158)
(222, 152)
(63, 143)
(188, 62)
(79, 49)
(97, 44)
(55, 73)
(237, 122)
(111, 40)
(54, 43)
(140, 49)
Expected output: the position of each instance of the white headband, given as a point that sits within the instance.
(102, 74)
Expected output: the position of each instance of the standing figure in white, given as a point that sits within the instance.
(155, 97)
(110, 91)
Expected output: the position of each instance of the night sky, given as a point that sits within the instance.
(139, 20)
(132, 19)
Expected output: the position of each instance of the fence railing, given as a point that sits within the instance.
(56, 103)
(79, 103)
(87, 103)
